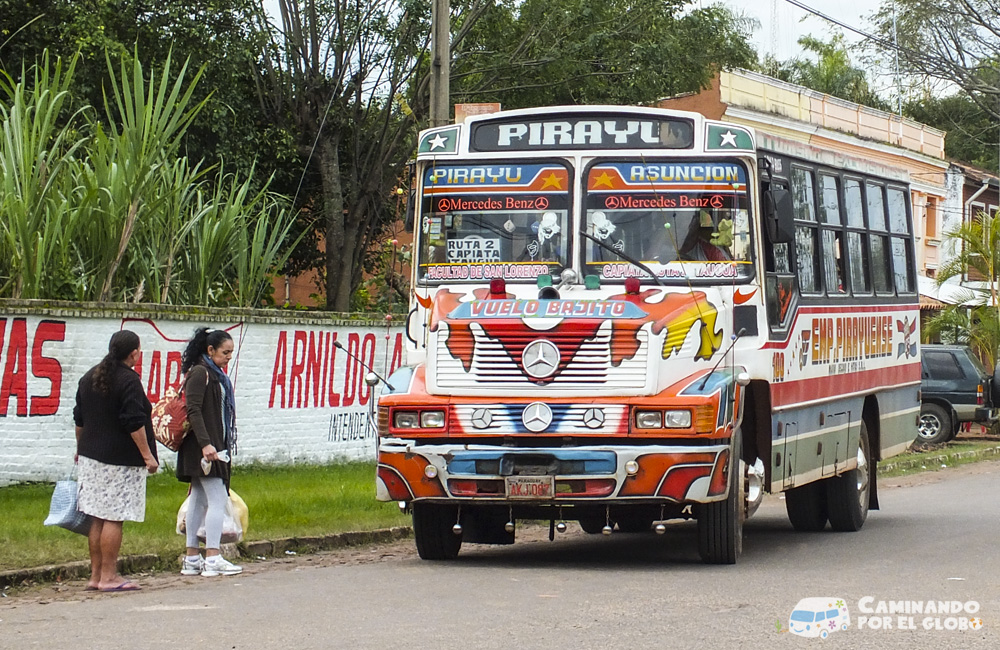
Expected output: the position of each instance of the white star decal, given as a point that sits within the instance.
(439, 141)
(728, 138)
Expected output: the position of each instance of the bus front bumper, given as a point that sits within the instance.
(460, 473)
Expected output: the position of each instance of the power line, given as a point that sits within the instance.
(860, 32)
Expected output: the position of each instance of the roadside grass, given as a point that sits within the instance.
(950, 454)
(286, 501)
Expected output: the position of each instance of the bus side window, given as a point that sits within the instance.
(806, 230)
(902, 251)
(874, 193)
(832, 234)
(857, 238)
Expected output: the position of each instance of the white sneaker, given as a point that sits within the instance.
(192, 567)
(219, 566)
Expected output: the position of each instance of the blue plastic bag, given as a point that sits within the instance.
(63, 511)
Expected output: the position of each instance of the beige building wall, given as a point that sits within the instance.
(901, 147)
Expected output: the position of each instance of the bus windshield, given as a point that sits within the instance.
(684, 220)
(481, 222)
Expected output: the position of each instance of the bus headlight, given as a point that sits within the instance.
(677, 419)
(432, 419)
(405, 420)
(649, 419)
(674, 419)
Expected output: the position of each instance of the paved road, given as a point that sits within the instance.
(934, 540)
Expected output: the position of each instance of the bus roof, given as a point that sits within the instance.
(580, 128)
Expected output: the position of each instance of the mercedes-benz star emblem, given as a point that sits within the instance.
(540, 358)
(482, 418)
(537, 417)
(593, 418)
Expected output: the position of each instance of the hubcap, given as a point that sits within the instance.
(862, 476)
(929, 426)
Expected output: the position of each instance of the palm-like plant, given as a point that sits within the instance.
(36, 153)
(978, 256)
(117, 214)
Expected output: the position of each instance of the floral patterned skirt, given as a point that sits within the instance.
(111, 492)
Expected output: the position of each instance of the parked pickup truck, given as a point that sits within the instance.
(955, 388)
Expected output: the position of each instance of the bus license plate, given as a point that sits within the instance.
(530, 487)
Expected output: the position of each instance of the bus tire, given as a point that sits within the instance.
(849, 495)
(720, 523)
(592, 525)
(935, 425)
(432, 531)
(806, 507)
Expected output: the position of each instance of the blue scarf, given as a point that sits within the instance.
(228, 402)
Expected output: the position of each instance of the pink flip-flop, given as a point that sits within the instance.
(125, 586)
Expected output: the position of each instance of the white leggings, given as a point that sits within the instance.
(207, 507)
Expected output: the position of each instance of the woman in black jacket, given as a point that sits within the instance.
(203, 459)
(115, 452)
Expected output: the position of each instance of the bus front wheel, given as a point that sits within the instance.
(720, 523)
(433, 532)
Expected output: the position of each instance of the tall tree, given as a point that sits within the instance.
(548, 52)
(219, 37)
(335, 74)
(973, 135)
(831, 71)
(956, 42)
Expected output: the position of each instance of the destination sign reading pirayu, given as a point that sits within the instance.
(546, 309)
(582, 132)
(535, 178)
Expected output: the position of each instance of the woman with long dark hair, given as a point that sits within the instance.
(115, 451)
(204, 457)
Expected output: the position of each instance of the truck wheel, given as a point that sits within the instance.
(935, 425)
(848, 495)
(720, 523)
(806, 507)
(432, 531)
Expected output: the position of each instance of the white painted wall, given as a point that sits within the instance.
(298, 397)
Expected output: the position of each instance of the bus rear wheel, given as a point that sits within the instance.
(433, 531)
(720, 523)
(848, 495)
(806, 507)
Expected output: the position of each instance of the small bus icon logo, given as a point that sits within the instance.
(819, 617)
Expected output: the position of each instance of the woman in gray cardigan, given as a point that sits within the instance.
(203, 459)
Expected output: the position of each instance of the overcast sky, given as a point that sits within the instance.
(781, 37)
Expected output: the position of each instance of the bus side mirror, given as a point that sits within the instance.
(779, 216)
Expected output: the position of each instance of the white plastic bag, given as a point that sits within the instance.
(232, 524)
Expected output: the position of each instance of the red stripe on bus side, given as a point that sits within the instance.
(806, 390)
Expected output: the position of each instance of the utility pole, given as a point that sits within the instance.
(440, 62)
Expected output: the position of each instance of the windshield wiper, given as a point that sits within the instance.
(625, 257)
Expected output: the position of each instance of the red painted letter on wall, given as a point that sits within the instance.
(49, 368)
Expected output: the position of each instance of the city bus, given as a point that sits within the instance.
(623, 316)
